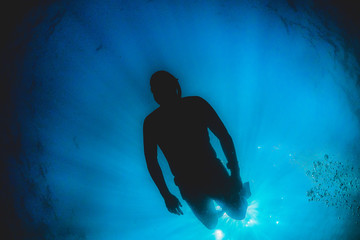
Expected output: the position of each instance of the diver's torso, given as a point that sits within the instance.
(182, 135)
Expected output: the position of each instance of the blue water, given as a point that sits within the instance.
(286, 94)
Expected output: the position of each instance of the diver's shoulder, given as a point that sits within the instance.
(152, 116)
(196, 99)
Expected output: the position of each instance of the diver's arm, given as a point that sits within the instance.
(227, 145)
(217, 127)
(150, 149)
(157, 176)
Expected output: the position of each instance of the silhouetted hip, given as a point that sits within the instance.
(211, 180)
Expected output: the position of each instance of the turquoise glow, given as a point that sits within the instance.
(286, 97)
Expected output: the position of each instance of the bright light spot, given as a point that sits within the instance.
(251, 215)
(282, 198)
(290, 155)
(250, 218)
(277, 222)
(218, 234)
(218, 208)
(270, 216)
(250, 222)
(259, 147)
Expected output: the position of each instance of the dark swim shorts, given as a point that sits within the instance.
(212, 181)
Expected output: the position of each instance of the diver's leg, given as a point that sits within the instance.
(234, 200)
(204, 209)
(231, 196)
(235, 206)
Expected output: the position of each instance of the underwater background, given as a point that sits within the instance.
(282, 75)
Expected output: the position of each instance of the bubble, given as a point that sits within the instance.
(335, 184)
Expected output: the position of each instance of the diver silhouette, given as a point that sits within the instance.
(180, 128)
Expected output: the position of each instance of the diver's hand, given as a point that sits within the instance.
(173, 204)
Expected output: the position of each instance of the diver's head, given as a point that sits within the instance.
(165, 88)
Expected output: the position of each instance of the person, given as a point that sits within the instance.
(179, 126)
